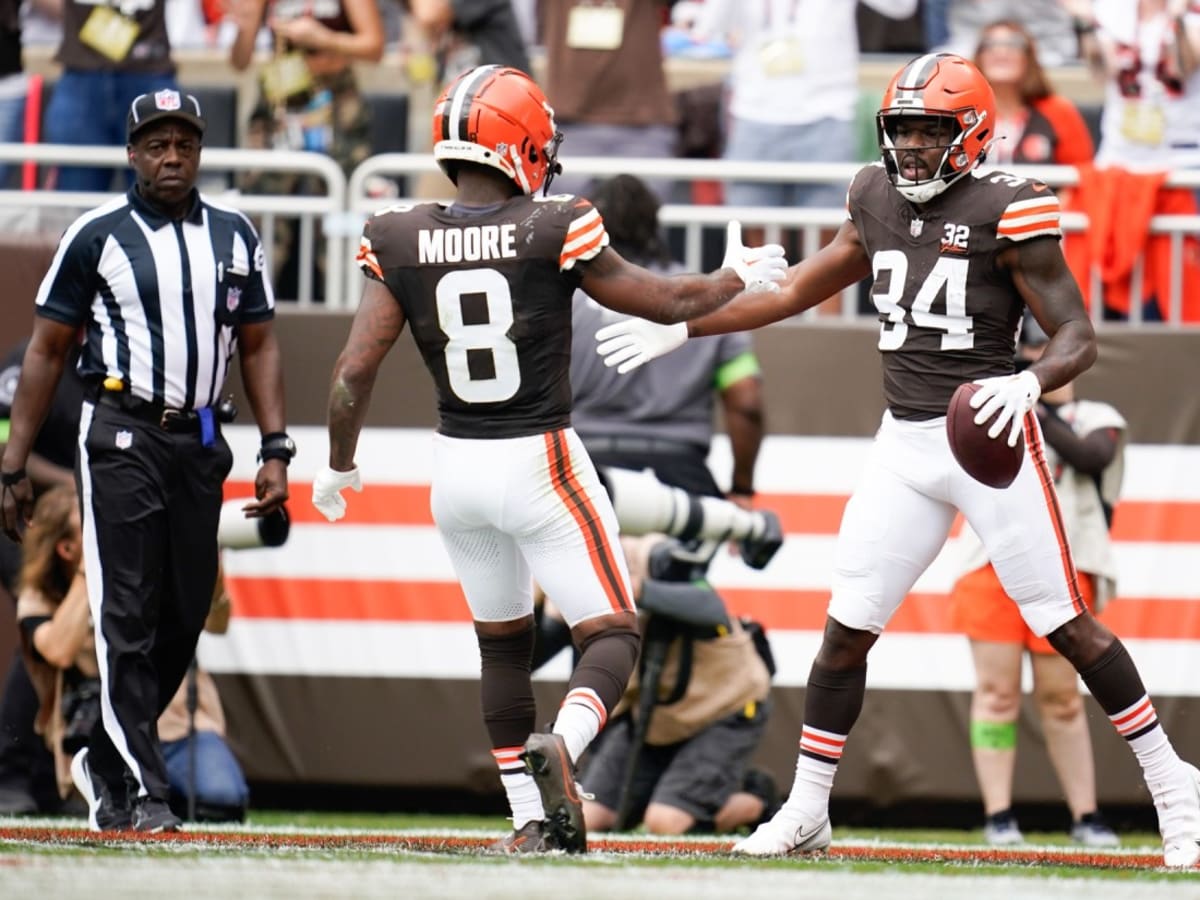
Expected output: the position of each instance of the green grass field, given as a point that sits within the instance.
(301, 855)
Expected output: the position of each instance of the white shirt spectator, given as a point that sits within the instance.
(796, 61)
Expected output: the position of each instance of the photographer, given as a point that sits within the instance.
(680, 761)
(59, 651)
(678, 758)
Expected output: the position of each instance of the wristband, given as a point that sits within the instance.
(8, 479)
(277, 445)
(1083, 26)
(741, 490)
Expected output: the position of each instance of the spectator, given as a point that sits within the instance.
(165, 285)
(60, 652)
(110, 55)
(515, 495)
(470, 33)
(693, 756)
(1148, 54)
(1085, 451)
(14, 83)
(1046, 21)
(934, 129)
(443, 39)
(661, 416)
(1033, 124)
(606, 81)
(310, 100)
(935, 16)
(26, 768)
(785, 51)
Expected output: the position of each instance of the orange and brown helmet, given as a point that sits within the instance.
(497, 116)
(946, 86)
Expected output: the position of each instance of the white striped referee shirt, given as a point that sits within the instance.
(159, 299)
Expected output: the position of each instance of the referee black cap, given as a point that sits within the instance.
(164, 104)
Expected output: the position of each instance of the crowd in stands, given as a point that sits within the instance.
(605, 70)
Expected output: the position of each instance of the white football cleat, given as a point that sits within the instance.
(1179, 821)
(780, 836)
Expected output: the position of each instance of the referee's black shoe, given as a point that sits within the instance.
(106, 812)
(153, 816)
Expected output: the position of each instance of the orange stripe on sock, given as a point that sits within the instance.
(1033, 438)
(591, 701)
(508, 756)
(1136, 713)
(576, 500)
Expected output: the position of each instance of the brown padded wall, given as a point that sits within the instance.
(428, 733)
(820, 379)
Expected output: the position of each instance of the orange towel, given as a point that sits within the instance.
(1119, 205)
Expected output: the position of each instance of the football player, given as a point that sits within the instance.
(957, 253)
(486, 284)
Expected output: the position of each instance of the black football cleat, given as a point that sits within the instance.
(547, 760)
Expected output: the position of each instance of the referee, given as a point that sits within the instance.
(164, 285)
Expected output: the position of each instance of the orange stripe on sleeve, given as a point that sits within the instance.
(1006, 230)
(366, 258)
(1036, 209)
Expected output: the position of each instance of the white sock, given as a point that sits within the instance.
(1158, 759)
(579, 720)
(815, 767)
(524, 799)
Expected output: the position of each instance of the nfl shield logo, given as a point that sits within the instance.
(124, 440)
(915, 226)
(233, 298)
(167, 99)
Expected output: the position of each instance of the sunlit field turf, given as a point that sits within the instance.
(300, 855)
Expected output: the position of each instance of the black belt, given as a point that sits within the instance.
(622, 444)
(176, 421)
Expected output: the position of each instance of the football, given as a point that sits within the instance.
(990, 461)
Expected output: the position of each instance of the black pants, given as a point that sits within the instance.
(686, 468)
(151, 502)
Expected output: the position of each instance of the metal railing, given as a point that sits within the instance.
(268, 208)
(810, 223)
(346, 203)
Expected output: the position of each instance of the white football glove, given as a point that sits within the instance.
(633, 341)
(327, 491)
(1012, 395)
(760, 268)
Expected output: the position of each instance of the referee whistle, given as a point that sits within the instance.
(112, 383)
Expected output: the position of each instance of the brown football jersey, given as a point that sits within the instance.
(487, 294)
(949, 314)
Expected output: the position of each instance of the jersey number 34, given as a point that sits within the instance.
(948, 277)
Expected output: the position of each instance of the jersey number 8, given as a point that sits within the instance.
(491, 288)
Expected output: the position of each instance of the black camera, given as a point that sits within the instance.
(81, 712)
(644, 505)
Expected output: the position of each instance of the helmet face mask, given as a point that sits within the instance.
(498, 117)
(950, 89)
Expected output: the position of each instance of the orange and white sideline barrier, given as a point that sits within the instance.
(375, 595)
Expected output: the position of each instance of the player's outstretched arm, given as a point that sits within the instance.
(836, 266)
(632, 342)
(377, 323)
(670, 299)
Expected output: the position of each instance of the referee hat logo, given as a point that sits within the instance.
(164, 104)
